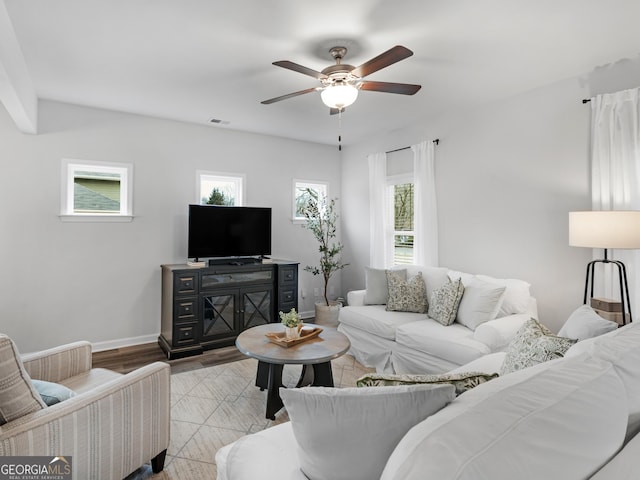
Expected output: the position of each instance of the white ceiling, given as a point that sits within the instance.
(193, 60)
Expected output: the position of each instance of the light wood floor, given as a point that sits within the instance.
(126, 359)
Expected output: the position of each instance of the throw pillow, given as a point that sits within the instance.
(533, 344)
(444, 302)
(52, 393)
(480, 303)
(349, 433)
(585, 323)
(461, 381)
(17, 395)
(406, 295)
(517, 295)
(377, 291)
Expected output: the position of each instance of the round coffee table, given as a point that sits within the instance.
(316, 352)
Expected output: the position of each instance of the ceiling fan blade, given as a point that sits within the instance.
(383, 60)
(401, 88)
(300, 69)
(288, 95)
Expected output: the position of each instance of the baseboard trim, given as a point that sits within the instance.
(123, 342)
(130, 342)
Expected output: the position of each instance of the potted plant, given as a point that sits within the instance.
(321, 219)
(292, 322)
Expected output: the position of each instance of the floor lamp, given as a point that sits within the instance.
(610, 229)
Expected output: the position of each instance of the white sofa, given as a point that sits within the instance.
(402, 342)
(571, 418)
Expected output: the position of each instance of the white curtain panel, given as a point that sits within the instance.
(615, 176)
(380, 255)
(425, 224)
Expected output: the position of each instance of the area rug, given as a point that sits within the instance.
(214, 406)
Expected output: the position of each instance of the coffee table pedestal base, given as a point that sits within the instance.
(269, 377)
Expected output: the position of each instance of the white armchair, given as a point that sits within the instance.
(115, 423)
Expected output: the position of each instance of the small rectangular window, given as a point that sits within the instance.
(301, 196)
(220, 188)
(401, 193)
(96, 191)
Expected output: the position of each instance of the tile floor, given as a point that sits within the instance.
(214, 406)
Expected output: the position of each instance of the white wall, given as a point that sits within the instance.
(507, 175)
(100, 282)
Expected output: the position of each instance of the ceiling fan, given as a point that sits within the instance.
(341, 82)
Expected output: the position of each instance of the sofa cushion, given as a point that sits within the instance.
(375, 319)
(89, 380)
(406, 295)
(454, 342)
(487, 363)
(18, 397)
(461, 381)
(348, 433)
(434, 277)
(585, 323)
(480, 303)
(546, 421)
(444, 302)
(377, 291)
(516, 295)
(534, 344)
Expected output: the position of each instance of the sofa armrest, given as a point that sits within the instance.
(497, 334)
(355, 298)
(110, 431)
(56, 364)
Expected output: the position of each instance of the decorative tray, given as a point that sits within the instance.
(305, 334)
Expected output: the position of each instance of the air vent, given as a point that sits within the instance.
(217, 121)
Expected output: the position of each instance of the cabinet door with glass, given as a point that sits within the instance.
(257, 306)
(219, 314)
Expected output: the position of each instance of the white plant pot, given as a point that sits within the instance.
(328, 315)
(291, 333)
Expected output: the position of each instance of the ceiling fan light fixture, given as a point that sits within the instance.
(339, 96)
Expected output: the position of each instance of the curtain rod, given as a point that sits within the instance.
(586, 100)
(436, 141)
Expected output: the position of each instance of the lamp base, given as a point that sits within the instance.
(622, 280)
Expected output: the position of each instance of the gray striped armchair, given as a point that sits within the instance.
(112, 426)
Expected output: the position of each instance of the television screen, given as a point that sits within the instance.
(216, 231)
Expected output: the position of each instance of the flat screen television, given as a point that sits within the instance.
(217, 231)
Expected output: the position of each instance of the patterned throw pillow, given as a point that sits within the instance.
(533, 344)
(444, 302)
(406, 295)
(17, 395)
(461, 381)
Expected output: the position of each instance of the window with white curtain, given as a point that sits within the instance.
(402, 187)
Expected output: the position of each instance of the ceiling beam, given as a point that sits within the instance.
(17, 92)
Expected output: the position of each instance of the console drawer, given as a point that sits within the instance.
(288, 296)
(287, 274)
(185, 334)
(185, 309)
(186, 283)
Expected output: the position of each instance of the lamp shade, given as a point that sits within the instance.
(339, 96)
(605, 229)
